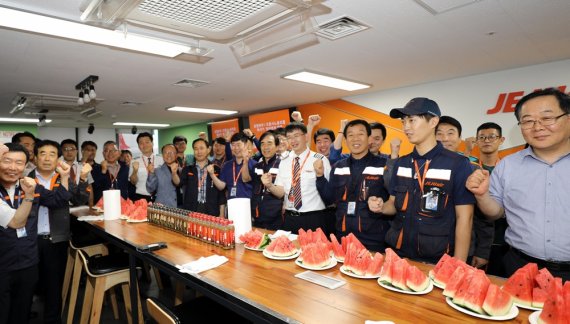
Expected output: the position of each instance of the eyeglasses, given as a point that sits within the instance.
(69, 149)
(294, 136)
(544, 121)
(110, 151)
(491, 138)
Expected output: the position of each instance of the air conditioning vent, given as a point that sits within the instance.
(340, 27)
(191, 83)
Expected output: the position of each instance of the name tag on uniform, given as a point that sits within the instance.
(291, 202)
(21, 232)
(351, 208)
(233, 192)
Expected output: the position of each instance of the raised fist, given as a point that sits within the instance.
(267, 179)
(314, 120)
(104, 165)
(28, 185)
(85, 169)
(174, 167)
(296, 115)
(63, 169)
(135, 166)
(478, 182)
(248, 132)
(375, 204)
(319, 167)
(210, 169)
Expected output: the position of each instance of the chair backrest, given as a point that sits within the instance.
(160, 313)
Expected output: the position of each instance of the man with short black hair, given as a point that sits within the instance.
(20, 198)
(28, 141)
(111, 173)
(79, 174)
(219, 151)
(296, 183)
(448, 132)
(183, 159)
(162, 179)
(88, 152)
(530, 187)
(138, 172)
(433, 211)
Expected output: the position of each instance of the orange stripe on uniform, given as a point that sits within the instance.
(400, 238)
(405, 204)
(344, 223)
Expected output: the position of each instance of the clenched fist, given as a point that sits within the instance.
(375, 204)
(85, 169)
(478, 182)
(210, 169)
(63, 169)
(319, 167)
(267, 179)
(28, 185)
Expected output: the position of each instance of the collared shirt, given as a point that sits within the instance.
(43, 213)
(29, 168)
(309, 195)
(77, 166)
(232, 171)
(142, 173)
(161, 182)
(202, 174)
(6, 211)
(536, 200)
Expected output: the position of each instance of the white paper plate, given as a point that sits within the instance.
(532, 308)
(354, 275)
(514, 312)
(289, 257)
(331, 264)
(136, 220)
(392, 288)
(252, 249)
(533, 317)
(431, 278)
(337, 259)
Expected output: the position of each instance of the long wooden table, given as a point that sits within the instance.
(266, 290)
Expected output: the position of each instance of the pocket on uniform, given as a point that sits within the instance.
(401, 198)
(433, 240)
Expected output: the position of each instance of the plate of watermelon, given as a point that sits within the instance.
(529, 286)
(349, 273)
(513, 312)
(255, 240)
(314, 264)
(533, 318)
(399, 276)
(281, 249)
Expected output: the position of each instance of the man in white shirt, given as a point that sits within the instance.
(296, 183)
(138, 172)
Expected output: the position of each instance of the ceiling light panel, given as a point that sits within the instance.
(208, 14)
(325, 80)
(202, 110)
(23, 120)
(139, 124)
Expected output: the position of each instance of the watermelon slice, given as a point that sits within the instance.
(399, 274)
(543, 279)
(315, 255)
(444, 258)
(376, 265)
(497, 302)
(475, 295)
(281, 247)
(339, 253)
(389, 260)
(539, 296)
(555, 310)
(520, 286)
(362, 262)
(255, 239)
(461, 293)
(416, 280)
(443, 274)
(454, 282)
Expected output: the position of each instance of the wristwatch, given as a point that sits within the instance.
(29, 199)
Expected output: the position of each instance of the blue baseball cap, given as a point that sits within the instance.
(417, 106)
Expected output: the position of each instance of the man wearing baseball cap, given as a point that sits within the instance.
(433, 210)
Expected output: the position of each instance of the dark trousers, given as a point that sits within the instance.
(309, 220)
(53, 258)
(514, 261)
(16, 293)
(496, 266)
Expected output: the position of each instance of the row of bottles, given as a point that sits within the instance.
(211, 229)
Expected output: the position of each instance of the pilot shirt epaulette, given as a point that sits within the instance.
(319, 156)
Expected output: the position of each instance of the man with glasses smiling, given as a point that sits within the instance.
(111, 173)
(531, 186)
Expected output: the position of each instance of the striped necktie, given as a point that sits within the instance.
(297, 185)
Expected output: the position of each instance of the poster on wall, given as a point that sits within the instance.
(128, 141)
(219, 129)
(6, 136)
(260, 123)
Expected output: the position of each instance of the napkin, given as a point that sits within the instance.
(91, 218)
(203, 264)
(77, 208)
(278, 233)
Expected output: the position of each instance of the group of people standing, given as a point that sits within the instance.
(497, 214)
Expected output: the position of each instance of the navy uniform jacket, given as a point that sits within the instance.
(102, 182)
(266, 209)
(355, 181)
(21, 253)
(424, 226)
(214, 197)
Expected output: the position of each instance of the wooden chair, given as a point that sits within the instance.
(73, 271)
(104, 273)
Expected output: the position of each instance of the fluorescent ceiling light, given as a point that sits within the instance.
(140, 124)
(202, 110)
(62, 28)
(325, 80)
(22, 120)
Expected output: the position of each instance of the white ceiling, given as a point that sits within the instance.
(405, 45)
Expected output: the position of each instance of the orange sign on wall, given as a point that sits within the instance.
(260, 123)
(219, 129)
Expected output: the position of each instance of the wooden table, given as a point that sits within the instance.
(266, 290)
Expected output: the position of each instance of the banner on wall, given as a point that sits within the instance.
(260, 123)
(6, 136)
(220, 128)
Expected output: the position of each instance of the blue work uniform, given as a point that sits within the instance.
(214, 197)
(426, 189)
(230, 174)
(266, 209)
(350, 184)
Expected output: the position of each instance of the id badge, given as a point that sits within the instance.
(21, 232)
(291, 202)
(430, 201)
(233, 192)
(351, 208)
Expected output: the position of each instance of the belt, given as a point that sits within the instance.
(44, 236)
(295, 213)
(551, 265)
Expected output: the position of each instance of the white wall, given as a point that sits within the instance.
(467, 99)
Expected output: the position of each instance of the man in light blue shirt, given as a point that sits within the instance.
(531, 186)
